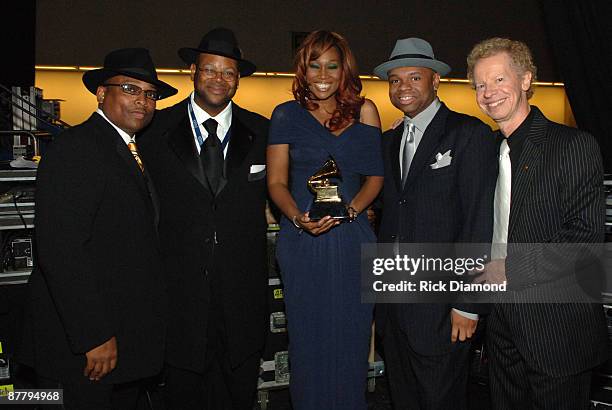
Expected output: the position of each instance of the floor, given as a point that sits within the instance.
(478, 397)
(380, 400)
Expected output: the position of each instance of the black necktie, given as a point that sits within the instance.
(211, 155)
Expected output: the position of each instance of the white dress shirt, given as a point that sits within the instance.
(124, 135)
(421, 122)
(224, 119)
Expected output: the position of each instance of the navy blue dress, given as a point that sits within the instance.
(329, 327)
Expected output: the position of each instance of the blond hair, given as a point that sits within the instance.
(519, 53)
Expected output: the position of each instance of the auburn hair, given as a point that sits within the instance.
(348, 96)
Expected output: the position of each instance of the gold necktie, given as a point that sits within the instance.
(134, 151)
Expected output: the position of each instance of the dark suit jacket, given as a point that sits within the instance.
(99, 270)
(557, 197)
(211, 242)
(445, 205)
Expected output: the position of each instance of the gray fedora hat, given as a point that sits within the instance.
(411, 52)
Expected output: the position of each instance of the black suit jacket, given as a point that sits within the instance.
(99, 271)
(557, 197)
(211, 242)
(445, 205)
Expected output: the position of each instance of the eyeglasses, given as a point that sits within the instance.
(226, 75)
(135, 90)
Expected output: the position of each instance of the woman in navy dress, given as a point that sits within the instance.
(329, 327)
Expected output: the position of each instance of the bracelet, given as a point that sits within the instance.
(294, 220)
(352, 212)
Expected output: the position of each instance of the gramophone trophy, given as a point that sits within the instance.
(327, 201)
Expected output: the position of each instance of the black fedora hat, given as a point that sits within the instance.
(131, 62)
(222, 42)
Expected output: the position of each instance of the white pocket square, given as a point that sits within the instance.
(257, 168)
(442, 160)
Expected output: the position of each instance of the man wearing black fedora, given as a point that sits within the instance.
(439, 182)
(207, 158)
(97, 305)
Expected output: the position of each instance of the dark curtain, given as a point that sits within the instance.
(17, 34)
(580, 35)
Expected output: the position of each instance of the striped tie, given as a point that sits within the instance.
(134, 151)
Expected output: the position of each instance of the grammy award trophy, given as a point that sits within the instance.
(327, 201)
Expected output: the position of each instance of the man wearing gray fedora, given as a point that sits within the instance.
(439, 182)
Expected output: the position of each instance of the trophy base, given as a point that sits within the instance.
(336, 210)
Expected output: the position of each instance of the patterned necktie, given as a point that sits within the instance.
(211, 155)
(501, 215)
(134, 151)
(409, 149)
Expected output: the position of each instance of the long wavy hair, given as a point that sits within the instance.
(348, 96)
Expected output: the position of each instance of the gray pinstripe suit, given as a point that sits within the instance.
(541, 354)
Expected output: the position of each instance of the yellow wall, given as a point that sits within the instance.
(262, 94)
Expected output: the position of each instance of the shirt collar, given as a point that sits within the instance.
(422, 119)
(224, 118)
(124, 135)
(519, 135)
(522, 130)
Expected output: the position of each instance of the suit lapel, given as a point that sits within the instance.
(396, 140)
(130, 163)
(112, 136)
(181, 141)
(153, 195)
(430, 141)
(240, 142)
(527, 166)
(143, 182)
